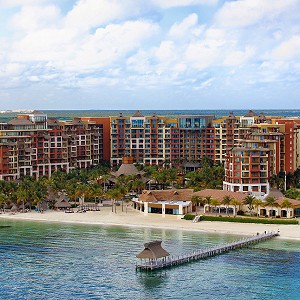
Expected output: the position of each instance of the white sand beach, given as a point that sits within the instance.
(134, 218)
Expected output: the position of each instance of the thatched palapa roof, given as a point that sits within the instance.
(62, 202)
(166, 195)
(250, 113)
(275, 193)
(220, 194)
(295, 203)
(127, 169)
(138, 114)
(20, 121)
(153, 250)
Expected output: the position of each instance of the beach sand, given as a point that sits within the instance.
(135, 218)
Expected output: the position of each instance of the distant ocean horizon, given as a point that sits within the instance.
(69, 114)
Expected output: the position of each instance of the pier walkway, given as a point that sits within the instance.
(170, 261)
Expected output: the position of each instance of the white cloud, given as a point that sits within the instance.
(34, 78)
(88, 14)
(11, 69)
(139, 44)
(66, 49)
(166, 52)
(12, 3)
(237, 58)
(35, 17)
(287, 50)
(179, 68)
(248, 12)
(178, 3)
(200, 55)
(94, 81)
(45, 45)
(179, 30)
(111, 43)
(271, 71)
(205, 84)
(139, 62)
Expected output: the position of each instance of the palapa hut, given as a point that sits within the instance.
(128, 168)
(14, 208)
(63, 202)
(153, 251)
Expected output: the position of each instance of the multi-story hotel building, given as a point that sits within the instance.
(34, 145)
(226, 136)
(275, 139)
(247, 170)
(154, 140)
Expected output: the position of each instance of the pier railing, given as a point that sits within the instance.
(170, 261)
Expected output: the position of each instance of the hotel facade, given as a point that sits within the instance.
(251, 148)
(36, 145)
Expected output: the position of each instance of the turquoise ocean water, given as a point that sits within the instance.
(67, 261)
(69, 114)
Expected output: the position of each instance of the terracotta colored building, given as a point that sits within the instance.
(33, 144)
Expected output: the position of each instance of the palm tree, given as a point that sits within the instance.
(114, 194)
(103, 179)
(286, 204)
(21, 196)
(26, 190)
(207, 200)
(248, 200)
(161, 177)
(172, 175)
(256, 203)
(226, 201)
(3, 200)
(292, 193)
(235, 202)
(122, 192)
(138, 185)
(196, 200)
(81, 191)
(277, 180)
(271, 201)
(215, 202)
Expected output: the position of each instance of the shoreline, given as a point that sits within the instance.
(135, 219)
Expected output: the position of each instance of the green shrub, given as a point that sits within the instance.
(189, 217)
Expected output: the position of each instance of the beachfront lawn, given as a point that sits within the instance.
(243, 220)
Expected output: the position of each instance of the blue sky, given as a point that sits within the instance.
(149, 54)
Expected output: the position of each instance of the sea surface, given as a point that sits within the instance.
(69, 114)
(67, 261)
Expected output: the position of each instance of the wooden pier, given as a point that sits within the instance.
(169, 261)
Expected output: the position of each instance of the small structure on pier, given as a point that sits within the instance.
(153, 252)
(158, 258)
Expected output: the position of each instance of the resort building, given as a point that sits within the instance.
(157, 140)
(279, 210)
(139, 137)
(226, 136)
(34, 145)
(247, 170)
(267, 147)
(179, 202)
(173, 202)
